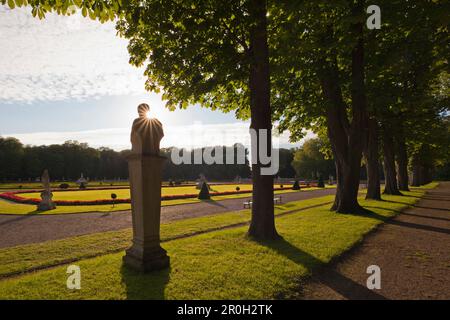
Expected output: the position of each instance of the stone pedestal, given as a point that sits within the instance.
(146, 253)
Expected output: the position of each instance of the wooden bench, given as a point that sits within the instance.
(277, 199)
(248, 204)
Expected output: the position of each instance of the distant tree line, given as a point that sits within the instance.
(69, 160)
(310, 161)
(190, 171)
(64, 162)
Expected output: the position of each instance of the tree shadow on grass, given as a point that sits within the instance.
(431, 192)
(435, 199)
(433, 196)
(418, 226)
(325, 274)
(390, 220)
(367, 213)
(145, 286)
(431, 208)
(213, 202)
(424, 216)
(418, 206)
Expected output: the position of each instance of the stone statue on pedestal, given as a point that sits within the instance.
(146, 133)
(46, 195)
(200, 181)
(145, 169)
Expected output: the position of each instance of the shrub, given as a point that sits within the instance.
(296, 185)
(204, 192)
(82, 185)
(320, 183)
(64, 186)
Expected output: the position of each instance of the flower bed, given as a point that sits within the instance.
(14, 197)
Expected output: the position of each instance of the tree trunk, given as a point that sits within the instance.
(390, 175)
(422, 167)
(347, 139)
(346, 199)
(416, 171)
(262, 224)
(402, 163)
(415, 175)
(372, 159)
(347, 156)
(339, 180)
(427, 175)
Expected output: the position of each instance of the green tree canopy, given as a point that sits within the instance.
(310, 162)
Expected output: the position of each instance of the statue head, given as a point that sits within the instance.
(143, 110)
(146, 133)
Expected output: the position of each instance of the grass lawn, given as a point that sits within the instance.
(31, 256)
(223, 264)
(7, 207)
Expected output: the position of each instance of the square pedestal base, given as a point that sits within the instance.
(146, 260)
(46, 206)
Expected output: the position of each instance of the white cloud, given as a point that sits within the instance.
(62, 57)
(190, 136)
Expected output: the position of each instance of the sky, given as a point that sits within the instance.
(68, 78)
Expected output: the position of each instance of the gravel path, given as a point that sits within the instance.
(412, 251)
(23, 229)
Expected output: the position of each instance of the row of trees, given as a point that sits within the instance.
(216, 171)
(311, 160)
(67, 161)
(306, 64)
(369, 91)
(64, 162)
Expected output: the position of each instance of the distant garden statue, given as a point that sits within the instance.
(200, 181)
(145, 168)
(82, 182)
(46, 195)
